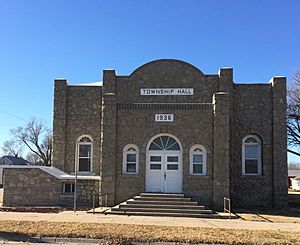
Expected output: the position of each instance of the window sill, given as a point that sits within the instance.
(130, 175)
(67, 195)
(198, 176)
(252, 177)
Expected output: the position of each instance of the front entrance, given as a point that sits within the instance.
(164, 166)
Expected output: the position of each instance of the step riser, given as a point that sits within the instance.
(213, 216)
(185, 199)
(162, 195)
(162, 202)
(155, 210)
(162, 206)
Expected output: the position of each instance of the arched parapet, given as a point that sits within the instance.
(167, 74)
(166, 66)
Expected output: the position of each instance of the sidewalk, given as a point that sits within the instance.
(82, 216)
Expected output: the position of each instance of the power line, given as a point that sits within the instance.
(15, 116)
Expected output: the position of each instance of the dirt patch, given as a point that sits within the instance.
(120, 234)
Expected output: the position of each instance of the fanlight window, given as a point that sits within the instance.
(85, 139)
(164, 143)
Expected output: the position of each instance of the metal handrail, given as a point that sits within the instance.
(227, 201)
(106, 199)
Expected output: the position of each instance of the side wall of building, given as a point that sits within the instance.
(34, 187)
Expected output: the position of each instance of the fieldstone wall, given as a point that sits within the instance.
(252, 110)
(116, 115)
(34, 187)
(59, 124)
(84, 106)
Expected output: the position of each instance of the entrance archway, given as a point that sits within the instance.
(164, 164)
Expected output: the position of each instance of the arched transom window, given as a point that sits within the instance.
(84, 154)
(251, 155)
(130, 159)
(162, 143)
(198, 160)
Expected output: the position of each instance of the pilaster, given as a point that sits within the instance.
(221, 158)
(280, 186)
(109, 131)
(59, 123)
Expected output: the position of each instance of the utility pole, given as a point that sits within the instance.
(75, 188)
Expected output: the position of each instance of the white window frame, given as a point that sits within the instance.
(259, 162)
(125, 152)
(204, 157)
(77, 156)
(64, 188)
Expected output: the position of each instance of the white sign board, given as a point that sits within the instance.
(167, 91)
(164, 117)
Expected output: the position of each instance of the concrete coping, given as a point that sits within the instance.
(57, 173)
(91, 84)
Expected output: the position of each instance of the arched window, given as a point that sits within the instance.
(198, 160)
(84, 154)
(164, 143)
(251, 155)
(130, 159)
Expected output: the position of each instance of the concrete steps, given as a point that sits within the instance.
(161, 204)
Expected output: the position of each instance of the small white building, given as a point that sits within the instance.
(296, 183)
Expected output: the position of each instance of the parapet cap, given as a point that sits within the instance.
(61, 81)
(225, 71)
(278, 80)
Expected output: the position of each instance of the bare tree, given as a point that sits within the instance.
(37, 138)
(293, 165)
(34, 159)
(11, 148)
(293, 112)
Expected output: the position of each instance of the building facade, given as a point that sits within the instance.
(168, 127)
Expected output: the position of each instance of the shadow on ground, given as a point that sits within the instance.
(8, 236)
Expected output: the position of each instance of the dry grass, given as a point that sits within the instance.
(120, 234)
(287, 215)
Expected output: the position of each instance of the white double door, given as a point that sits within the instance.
(164, 172)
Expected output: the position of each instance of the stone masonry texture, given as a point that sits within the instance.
(218, 116)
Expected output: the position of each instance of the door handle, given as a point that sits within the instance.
(165, 175)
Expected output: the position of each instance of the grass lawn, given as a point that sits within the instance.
(124, 234)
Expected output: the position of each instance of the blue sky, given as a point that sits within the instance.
(44, 40)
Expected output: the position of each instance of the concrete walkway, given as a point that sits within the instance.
(82, 216)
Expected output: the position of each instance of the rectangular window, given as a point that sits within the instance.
(197, 169)
(155, 158)
(197, 158)
(84, 159)
(131, 168)
(251, 166)
(251, 159)
(172, 166)
(172, 159)
(68, 188)
(155, 166)
(131, 159)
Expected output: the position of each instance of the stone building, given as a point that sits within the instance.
(167, 127)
